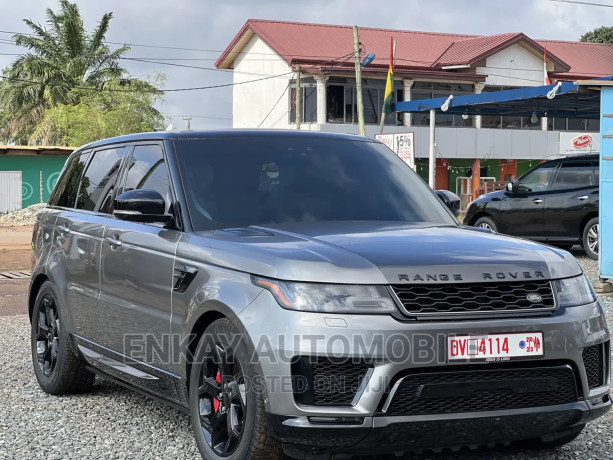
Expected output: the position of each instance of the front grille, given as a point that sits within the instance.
(594, 365)
(478, 298)
(326, 382)
(482, 390)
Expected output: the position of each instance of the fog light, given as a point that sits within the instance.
(337, 420)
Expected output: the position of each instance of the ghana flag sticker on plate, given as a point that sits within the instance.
(494, 347)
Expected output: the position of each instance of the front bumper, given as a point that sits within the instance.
(300, 436)
(396, 348)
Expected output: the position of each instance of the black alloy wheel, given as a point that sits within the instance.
(47, 335)
(57, 368)
(227, 404)
(222, 401)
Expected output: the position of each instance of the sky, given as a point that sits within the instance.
(211, 25)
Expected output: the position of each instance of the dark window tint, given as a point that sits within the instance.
(592, 125)
(147, 170)
(538, 179)
(559, 124)
(576, 124)
(98, 183)
(235, 182)
(596, 169)
(308, 100)
(574, 175)
(65, 191)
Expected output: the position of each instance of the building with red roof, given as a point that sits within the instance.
(265, 55)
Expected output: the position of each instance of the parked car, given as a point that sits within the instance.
(306, 292)
(555, 203)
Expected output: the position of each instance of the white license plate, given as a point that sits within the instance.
(494, 347)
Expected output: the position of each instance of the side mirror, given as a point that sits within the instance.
(511, 187)
(451, 200)
(141, 206)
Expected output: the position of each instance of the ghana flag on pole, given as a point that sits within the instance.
(389, 86)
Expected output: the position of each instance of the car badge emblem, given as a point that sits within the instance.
(534, 297)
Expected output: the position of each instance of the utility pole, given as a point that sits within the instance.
(298, 98)
(432, 155)
(188, 119)
(358, 80)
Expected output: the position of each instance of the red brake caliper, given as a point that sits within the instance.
(215, 400)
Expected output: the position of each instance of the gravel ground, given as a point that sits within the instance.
(115, 423)
(25, 216)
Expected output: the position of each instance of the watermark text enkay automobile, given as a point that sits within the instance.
(417, 348)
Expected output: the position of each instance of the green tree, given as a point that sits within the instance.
(122, 108)
(599, 35)
(60, 58)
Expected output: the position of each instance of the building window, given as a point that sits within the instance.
(427, 90)
(592, 125)
(341, 99)
(308, 101)
(554, 123)
(574, 124)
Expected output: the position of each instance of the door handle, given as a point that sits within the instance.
(583, 198)
(112, 241)
(63, 230)
(537, 201)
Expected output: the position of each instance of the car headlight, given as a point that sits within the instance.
(574, 291)
(329, 298)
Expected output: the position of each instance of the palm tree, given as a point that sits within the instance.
(60, 58)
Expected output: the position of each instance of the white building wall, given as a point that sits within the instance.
(506, 144)
(251, 102)
(513, 66)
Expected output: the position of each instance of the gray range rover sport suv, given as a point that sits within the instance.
(307, 294)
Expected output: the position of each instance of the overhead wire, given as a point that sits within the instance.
(117, 90)
(578, 2)
(277, 102)
(160, 60)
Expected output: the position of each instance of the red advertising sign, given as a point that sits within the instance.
(582, 141)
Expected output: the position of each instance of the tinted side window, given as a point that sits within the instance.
(596, 168)
(65, 191)
(99, 179)
(537, 180)
(574, 175)
(146, 169)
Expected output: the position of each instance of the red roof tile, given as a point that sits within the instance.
(322, 44)
(318, 42)
(586, 59)
(471, 49)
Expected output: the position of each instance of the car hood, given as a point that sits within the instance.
(492, 196)
(376, 253)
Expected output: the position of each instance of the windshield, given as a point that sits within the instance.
(240, 181)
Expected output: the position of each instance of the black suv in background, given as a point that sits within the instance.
(555, 203)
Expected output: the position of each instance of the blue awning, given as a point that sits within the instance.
(570, 100)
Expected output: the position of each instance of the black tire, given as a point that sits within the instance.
(486, 222)
(251, 438)
(58, 370)
(591, 244)
(554, 440)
